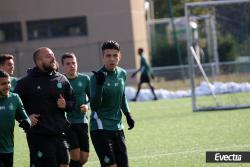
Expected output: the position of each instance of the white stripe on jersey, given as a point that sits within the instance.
(85, 120)
(98, 121)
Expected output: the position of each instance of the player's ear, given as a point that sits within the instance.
(120, 56)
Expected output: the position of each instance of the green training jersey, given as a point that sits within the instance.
(11, 108)
(145, 67)
(13, 81)
(80, 85)
(108, 101)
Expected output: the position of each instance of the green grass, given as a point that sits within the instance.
(169, 134)
(229, 99)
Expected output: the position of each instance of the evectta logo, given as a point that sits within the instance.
(227, 157)
(224, 158)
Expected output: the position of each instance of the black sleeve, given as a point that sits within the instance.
(95, 94)
(21, 90)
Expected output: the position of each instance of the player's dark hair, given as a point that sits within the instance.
(4, 74)
(4, 57)
(140, 50)
(67, 55)
(110, 44)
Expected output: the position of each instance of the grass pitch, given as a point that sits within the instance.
(168, 134)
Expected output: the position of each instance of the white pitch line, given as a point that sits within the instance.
(181, 152)
(187, 152)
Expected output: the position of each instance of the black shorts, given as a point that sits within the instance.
(6, 159)
(77, 136)
(110, 147)
(48, 150)
(144, 78)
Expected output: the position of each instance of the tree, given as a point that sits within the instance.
(164, 54)
(161, 8)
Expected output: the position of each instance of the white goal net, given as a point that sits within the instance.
(218, 43)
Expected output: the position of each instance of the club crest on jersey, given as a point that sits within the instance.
(106, 159)
(59, 85)
(11, 106)
(39, 154)
(79, 84)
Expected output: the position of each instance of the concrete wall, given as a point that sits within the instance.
(121, 20)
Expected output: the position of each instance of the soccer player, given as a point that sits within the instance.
(108, 102)
(46, 95)
(11, 109)
(7, 65)
(146, 73)
(77, 134)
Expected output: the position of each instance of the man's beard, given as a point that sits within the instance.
(50, 67)
(11, 72)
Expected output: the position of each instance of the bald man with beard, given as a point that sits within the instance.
(46, 95)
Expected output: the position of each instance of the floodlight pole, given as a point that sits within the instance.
(175, 40)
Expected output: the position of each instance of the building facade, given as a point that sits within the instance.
(72, 26)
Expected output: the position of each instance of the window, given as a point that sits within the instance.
(10, 32)
(57, 28)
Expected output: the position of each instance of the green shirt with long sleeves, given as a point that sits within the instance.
(107, 102)
(145, 68)
(80, 85)
(11, 109)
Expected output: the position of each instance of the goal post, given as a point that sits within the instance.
(210, 28)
